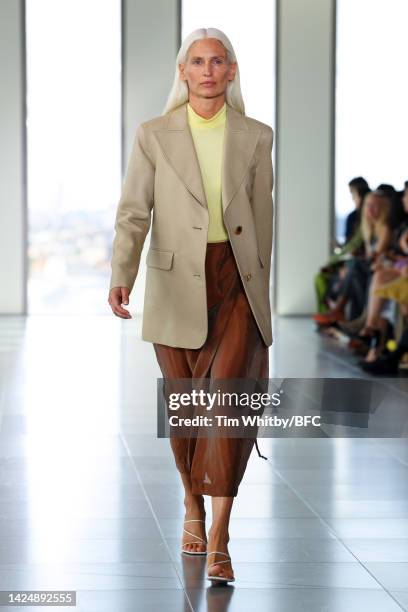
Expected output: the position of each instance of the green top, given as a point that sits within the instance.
(354, 243)
(208, 137)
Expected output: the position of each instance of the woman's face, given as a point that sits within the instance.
(207, 61)
(372, 207)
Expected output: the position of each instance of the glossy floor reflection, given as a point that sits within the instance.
(90, 500)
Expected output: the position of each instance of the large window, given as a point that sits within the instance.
(74, 151)
(371, 97)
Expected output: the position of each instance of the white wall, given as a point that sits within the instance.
(305, 69)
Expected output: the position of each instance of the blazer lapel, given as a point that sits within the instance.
(239, 148)
(177, 144)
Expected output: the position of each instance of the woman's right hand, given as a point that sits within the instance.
(117, 297)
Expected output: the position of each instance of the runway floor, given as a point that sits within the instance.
(90, 500)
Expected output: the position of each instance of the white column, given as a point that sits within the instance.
(150, 45)
(304, 141)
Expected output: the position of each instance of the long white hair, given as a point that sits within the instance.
(179, 92)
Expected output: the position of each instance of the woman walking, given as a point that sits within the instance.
(203, 172)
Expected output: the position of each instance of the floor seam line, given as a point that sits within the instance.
(333, 532)
(155, 518)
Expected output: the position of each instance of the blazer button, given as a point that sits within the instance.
(238, 229)
(248, 276)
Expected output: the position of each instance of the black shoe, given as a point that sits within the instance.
(371, 340)
(385, 364)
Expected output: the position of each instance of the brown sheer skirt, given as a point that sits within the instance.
(234, 348)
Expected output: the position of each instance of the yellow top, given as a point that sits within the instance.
(208, 137)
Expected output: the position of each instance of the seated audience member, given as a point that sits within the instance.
(389, 282)
(353, 326)
(358, 188)
(387, 268)
(328, 280)
(377, 235)
(397, 213)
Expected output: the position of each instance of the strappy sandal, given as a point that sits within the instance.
(219, 578)
(201, 541)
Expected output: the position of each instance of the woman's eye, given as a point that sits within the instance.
(217, 61)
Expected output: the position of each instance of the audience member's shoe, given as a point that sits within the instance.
(371, 340)
(385, 364)
(358, 348)
(331, 331)
(357, 344)
(328, 318)
(355, 325)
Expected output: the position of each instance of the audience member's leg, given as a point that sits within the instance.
(375, 303)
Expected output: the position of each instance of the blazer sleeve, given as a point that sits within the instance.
(262, 200)
(133, 216)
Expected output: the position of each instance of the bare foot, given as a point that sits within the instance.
(218, 540)
(194, 510)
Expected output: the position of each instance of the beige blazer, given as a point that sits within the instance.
(163, 189)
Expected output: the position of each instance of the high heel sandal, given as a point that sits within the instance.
(193, 552)
(219, 578)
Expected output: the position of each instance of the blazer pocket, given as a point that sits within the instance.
(159, 258)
